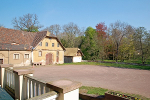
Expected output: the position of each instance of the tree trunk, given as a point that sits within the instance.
(117, 52)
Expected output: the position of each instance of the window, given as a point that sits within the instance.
(26, 56)
(16, 56)
(57, 44)
(52, 44)
(57, 53)
(46, 44)
(40, 53)
(40, 44)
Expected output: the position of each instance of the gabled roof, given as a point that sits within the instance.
(38, 37)
(11, 39)
(72, 52)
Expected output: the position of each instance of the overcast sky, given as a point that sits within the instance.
(84, 13)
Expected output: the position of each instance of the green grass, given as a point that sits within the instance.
(110, 64)
(93, 90)
(101, 91)
(138, 61)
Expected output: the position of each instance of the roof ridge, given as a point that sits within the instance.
(13, 29)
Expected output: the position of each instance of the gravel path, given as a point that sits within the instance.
(119, 79)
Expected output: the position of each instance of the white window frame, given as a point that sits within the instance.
(14, 57)
(57, 53)
(26, 56)
(40, 54)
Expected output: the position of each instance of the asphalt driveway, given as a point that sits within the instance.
(119, 79)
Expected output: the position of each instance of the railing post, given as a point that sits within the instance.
(67, 90)
(3, 75)
(21, 83)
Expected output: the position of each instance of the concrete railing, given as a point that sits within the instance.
(10, 77)
(22, 85)
(35, 87)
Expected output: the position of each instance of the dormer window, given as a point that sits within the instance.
(40, 44)
(14, 43)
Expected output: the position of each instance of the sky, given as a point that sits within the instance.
(84, 13)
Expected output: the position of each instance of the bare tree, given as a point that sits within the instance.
(118, 30)
(28, 22)
(70, 32)
(55, 29)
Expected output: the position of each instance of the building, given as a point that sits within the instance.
(22, 48)
(73, 55)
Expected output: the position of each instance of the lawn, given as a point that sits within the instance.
(101, 91)
(111, 65)
(137, 61)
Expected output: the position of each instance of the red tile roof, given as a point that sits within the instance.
(11, 39)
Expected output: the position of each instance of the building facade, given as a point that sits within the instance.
(22, 48)
(73, 55)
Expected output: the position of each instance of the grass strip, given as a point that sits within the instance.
(93, 90)
(101, 91)
(111, 65)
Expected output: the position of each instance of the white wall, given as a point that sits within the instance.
(72, 95)
(77, 59)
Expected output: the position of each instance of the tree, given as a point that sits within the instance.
(142, 43)
(28, 22)
(55, 29)
(110, 48)
(89, 45)
(70, 32)
(101, 30)
(118, 30)
(101, 36)
(126, 48)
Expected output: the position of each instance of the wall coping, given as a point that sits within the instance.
(6, 65)
(35, 79)
(23, 71)
(63, 86)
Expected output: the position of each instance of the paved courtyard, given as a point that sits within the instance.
(119, 79)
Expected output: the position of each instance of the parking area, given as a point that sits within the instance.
(118, 79)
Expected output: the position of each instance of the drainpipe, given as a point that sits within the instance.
(31, 54)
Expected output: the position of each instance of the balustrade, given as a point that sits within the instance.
(24, 86)
(35, 87)
(10, 78)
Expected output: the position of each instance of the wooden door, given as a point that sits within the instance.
(49, 59)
